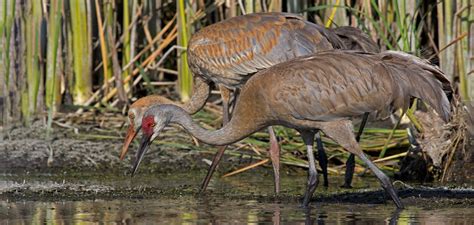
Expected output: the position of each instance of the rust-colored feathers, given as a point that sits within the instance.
(229, 51)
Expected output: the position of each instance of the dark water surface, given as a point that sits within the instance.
(216, 211)
(242, 199)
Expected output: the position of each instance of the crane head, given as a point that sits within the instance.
(135, 116)
(154, 121)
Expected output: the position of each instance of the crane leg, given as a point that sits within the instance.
(341, 133)
(212, 168)
(323, 159)
(308, 138)
(275, 157)
(225, 93)
(350, 163)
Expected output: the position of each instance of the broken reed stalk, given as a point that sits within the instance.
(461, 116)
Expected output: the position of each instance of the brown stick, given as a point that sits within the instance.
(103, 45)
(116, 68)
(150, 45)
(246, 168)
(463, 35)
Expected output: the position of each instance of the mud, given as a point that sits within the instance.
(86, 148)
(255, 186)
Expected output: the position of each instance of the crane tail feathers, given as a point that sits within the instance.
(422, 80)
(355, 39)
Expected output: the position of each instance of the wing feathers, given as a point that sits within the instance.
(334, 84)
(421, 79)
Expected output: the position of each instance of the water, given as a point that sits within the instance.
(187, 210)
(243, 199)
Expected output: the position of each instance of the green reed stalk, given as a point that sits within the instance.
(52, 79)
(449, 52)
(384, 20)
(6, 20)
(81, 42)
(400, 12)
(33, 51)
(185, 80)
(3, 20)
(470, 53)
(3, 88)
(333, 14)
(249, 6)
(126, 38)
(109, 22)
(460, 56)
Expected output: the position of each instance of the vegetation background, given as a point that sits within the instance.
(61, 60)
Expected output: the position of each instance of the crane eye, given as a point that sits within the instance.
(152, 125)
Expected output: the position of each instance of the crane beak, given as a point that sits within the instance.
(131, 133)
(145, 143)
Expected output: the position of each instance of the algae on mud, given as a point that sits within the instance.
(250, 186)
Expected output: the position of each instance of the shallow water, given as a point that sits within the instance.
(243, 199)
(216, 211)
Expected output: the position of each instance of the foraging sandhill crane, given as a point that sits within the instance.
(229, 52)
(320, 92)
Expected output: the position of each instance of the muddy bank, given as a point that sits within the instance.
(86, 148)
(257, 185)
(425, 197)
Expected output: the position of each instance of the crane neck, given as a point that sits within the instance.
(200, 94)
(238, 128)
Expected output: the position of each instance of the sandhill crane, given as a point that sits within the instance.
(318, 92)
(231, 51)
